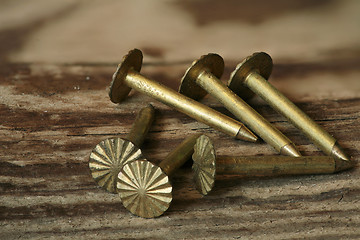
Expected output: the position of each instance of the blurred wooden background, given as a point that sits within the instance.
(56, 63)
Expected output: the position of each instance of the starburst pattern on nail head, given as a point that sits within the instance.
(108, 158)
(144, 189)
(204, 165)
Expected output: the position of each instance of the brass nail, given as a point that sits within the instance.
(203, 77)
(206, 165)
(253, 73)
(127, 76)
(110, 155)
(145, 189)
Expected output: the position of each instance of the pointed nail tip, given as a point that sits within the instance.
(339, 153)
(341, 165)
(290, 150)
(204, 193)
(246, 135)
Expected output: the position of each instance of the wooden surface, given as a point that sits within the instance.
(56, 66)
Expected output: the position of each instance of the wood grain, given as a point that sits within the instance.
(47, 189)
(54, 109)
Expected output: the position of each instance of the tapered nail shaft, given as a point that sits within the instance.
(207, 165)
(270, 166)
(249, 73)
(211, 84)
(179, 155)
(141, 125)
(188, 106)
(127, 77)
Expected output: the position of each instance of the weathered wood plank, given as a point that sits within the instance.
(46, 187)
(56, 65)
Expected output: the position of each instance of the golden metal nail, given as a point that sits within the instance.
(145, 189)
(203, 77)
(253, 73)
(110, 155)
(127, 76)
(207, 165)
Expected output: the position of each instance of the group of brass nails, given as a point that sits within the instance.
(118, 165)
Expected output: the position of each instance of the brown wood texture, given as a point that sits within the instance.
(56, 67)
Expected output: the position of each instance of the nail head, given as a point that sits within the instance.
(204, 166)
(211, 62)
(118, 89)
(144, 189)
(107, 159)
(260, 62)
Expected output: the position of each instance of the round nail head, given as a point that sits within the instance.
(259, 62)
(118, 89)
(204, 165)
(107, 159)
(144, 189)
(212, 63)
